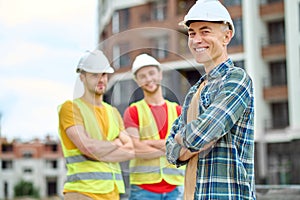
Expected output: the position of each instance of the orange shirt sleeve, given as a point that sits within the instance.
(69, 115)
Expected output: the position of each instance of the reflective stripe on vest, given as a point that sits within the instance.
(85, 174)
(93, 176)
(147, 171)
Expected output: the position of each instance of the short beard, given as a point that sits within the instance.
(99, 93)
(154, 91)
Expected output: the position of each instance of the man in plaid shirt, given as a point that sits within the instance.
(214, 134)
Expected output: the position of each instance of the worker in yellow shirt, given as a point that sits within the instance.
(92, 136)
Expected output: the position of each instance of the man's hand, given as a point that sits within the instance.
(186, 154)
(158, 144)
(178, 139)
(117, 142)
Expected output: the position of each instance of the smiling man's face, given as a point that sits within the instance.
(208, 41)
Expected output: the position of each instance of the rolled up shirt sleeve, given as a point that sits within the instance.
(221, 111)
(172, 147)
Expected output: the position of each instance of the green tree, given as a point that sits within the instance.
(25, 188)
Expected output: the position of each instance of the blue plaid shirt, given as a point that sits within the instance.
(226, 115)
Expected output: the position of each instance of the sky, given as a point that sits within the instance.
(41, 42)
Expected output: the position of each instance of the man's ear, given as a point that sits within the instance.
(81, 76)
(227, 37)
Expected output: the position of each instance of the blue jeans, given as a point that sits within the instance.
(137, 193)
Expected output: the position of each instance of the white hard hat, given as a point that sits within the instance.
(208, 10)
(94, 62)
(143, 60)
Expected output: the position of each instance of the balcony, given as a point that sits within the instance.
(272, 11)
(273, 52)
(275, 93)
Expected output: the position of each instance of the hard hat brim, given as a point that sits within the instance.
(108, 70)
(186, 23)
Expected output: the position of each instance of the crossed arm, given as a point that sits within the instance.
(224, 111)
(177, 153)
(146, 149)
(186, 154)
(121, 149)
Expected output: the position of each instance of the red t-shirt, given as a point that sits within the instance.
(160, 115)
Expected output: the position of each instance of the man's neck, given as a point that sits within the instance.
(155, 99)
(209, 66)
(93, 99)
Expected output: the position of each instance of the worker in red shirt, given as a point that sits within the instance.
(148, 122)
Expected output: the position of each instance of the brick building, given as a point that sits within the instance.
(38, 162)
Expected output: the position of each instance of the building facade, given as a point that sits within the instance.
(266, 45)
(38, 162)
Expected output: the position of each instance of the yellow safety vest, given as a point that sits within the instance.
(84, 174)
(148, 171)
